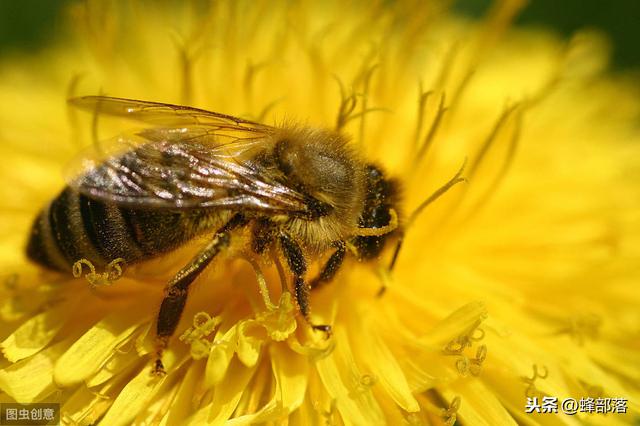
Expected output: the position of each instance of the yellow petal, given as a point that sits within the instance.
(91, 350)
(30, 380)
(338, 373)
(384, 366)
(220, 357)
(185, 400)
(226, 397)
(133, 398)
(480, 405)
(459, 322)
(85, 406)
(117, 364)
(249, 343)
(290, 371)
(37, 332)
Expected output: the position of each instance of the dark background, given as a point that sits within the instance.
(28, 25)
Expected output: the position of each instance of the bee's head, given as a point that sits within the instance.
(381, 200)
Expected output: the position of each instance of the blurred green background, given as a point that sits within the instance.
(619, 19)
(27, 25)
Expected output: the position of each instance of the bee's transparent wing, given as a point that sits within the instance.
(192, 159)
(167, 115)
(180, 175)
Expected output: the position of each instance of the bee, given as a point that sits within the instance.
(300, 191)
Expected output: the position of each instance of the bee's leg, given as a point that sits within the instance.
(331, 267)
(298, 265)
(177, 289)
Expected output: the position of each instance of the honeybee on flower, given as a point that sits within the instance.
(498, 294)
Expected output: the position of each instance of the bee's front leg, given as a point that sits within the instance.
(298, 265)
(177, 289)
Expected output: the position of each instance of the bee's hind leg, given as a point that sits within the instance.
(177, 289)
(298, 265)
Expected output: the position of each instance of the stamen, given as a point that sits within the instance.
(475, 366)
(512, 145)
(250, 73)
(279, 321)
(456, 347)
(412, 418)
(197, 335)
(531, 389)
(348, 105)
(262, 282)
(422, 102)
(281, 273)
(472, 366)
(462, 365)
(112, 273)
(435, 124)
(366, 83)
(459, 91)
(189, 51)
(457, 178)
(328, 415)
(185, 68)
(582, 327)
(491, 139)
(376, 232)
(450, 414)
(447, 65)
(363, 385)
(266, 109)
(368, 380)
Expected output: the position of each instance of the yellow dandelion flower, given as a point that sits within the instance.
(516, 285)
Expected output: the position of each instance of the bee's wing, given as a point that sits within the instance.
(193, 159)
(182, 175)
(167, 115)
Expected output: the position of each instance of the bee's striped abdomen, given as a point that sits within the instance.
(74, 227)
